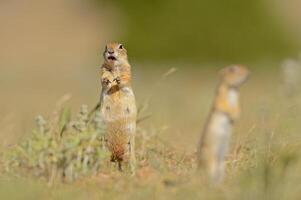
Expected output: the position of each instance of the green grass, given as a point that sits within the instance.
(263, 163)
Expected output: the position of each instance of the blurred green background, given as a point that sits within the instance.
(73, 33)
(204, 30)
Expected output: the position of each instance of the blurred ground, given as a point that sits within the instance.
(265, 147)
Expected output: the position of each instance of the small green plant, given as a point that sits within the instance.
(61, 149)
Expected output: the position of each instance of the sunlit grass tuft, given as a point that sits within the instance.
(60, 148)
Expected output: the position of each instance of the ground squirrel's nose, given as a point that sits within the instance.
(110, 51)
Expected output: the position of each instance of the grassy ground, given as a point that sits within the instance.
(263, 163)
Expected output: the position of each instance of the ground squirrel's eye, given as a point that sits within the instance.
(233, 69)
(121, 46)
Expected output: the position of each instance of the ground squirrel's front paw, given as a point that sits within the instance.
(106, 81)
(117, 80)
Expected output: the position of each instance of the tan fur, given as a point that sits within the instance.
(214, 140)
(118, 105)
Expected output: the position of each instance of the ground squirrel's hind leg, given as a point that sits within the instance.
(119, 163)
(217, 164)
(210, 165)
(216, 172)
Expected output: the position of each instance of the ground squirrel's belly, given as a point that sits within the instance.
(219, 132)
(220, 124)
(119, 106)
(119, 116)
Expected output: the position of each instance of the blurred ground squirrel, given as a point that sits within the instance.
(118, 105)
(214, 140)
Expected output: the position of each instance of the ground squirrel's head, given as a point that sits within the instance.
(234, 75)
(115, 53)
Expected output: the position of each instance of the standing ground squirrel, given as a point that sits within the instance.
(118, 107)
(214, 140)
